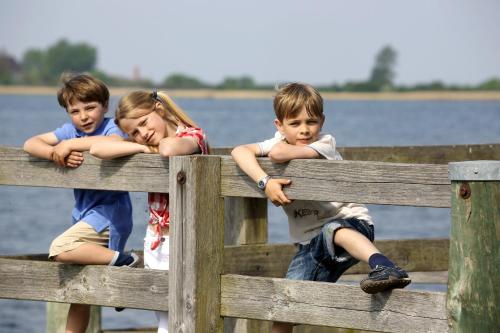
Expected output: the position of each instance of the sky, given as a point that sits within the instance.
(273, 41)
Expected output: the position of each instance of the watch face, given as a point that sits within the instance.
(263, 182)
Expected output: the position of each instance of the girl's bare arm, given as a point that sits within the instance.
(175, 146)
(107, 150)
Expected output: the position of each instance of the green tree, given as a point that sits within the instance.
(182, 81)
(491, 84)
(383, 74)
(66, 57)
(243, 82)
(33, 67)
(9, 68)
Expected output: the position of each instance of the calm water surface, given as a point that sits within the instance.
(31, 217)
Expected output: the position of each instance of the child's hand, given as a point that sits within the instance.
(274, 191)
(74, 159)
(60, 152)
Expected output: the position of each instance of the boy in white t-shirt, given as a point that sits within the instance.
(331, 236)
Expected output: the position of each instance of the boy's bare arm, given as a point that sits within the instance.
(68, 152)
(245, 157)
(63, 153)
(284, 152)
(41, 145)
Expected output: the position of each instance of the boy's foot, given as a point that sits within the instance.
(127, 259)
(132, 261)
(384, 278)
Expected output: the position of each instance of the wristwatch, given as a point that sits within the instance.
(263, 182)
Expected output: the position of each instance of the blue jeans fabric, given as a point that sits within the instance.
(321, 260)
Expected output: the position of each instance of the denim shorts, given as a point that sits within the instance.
(321, 260)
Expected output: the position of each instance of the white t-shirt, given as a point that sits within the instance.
(306, 218)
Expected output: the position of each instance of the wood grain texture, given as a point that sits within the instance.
(329, 304)
(272, 260)
(197, 244)
(348, 181)
(474, 272)
(140, 172)
(99, 285)
(435, 154)
(245, 222)
(343, 181)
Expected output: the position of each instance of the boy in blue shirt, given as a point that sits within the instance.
(102, 220)
(330, 236)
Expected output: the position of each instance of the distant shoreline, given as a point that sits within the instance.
(268, 94)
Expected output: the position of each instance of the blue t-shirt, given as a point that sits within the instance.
(101, 209)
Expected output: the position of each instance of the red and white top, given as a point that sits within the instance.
(159, 216)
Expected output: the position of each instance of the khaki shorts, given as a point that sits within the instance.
(80, 233)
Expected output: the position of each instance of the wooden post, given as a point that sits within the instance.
(57, 315)
(197, 244)
(474, 266)
(245, 222)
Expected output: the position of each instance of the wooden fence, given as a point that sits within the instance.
(221, 265)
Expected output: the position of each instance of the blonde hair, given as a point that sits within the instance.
(82, 87)
(140, 103)
(292, 97)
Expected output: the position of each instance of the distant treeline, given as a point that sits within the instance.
(44, 67)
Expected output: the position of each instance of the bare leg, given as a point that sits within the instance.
(279, 327)
(87, 254)
(355, 243)
(78, 318)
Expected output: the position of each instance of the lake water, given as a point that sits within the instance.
(31, 217)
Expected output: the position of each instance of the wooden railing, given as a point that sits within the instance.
(208, 281)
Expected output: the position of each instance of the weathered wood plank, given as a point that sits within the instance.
(348, 181)
(438, 154)
(437, 277)
(139, 172)
(272, 260)
(329, 304)
(197, 244)
(473, 294)
(435, 154)
(100, 285)
(245, 222)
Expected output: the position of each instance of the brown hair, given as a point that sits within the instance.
(82, 87)
(292, 97)
(140, 103)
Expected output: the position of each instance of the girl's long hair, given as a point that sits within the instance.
(140, 103)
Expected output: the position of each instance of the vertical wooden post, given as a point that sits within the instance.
(474, 268)
(197, 244)
(57, 315)
(245, 222)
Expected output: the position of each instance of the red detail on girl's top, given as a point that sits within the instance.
(159, 215)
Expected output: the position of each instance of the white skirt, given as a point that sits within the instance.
(157, 258)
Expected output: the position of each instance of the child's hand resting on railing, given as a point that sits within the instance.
(274, 191)
(63, 156)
